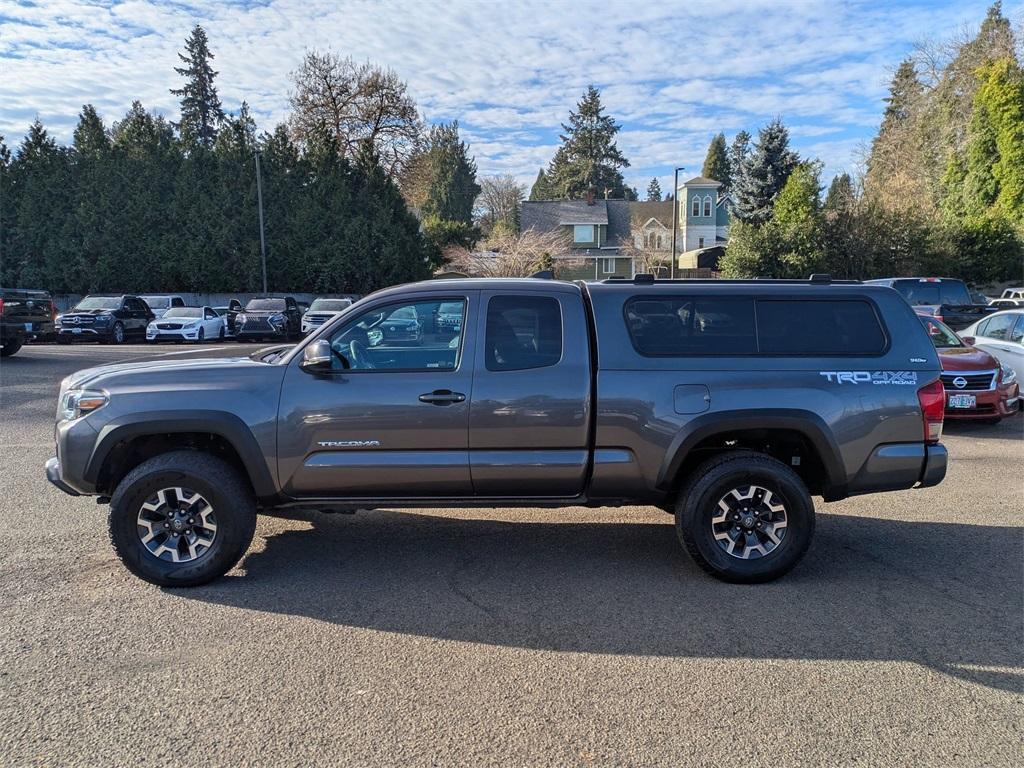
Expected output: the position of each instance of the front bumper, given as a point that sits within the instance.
(54, 476)
(187, 334)
(995, 403)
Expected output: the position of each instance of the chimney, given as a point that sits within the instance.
(590, 197)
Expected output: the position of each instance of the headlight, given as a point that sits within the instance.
(1008, 374)
(78, 402)
(102, 318)
(240, 317)
(277, 318)
(57, 319)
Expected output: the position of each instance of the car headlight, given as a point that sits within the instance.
(240, 317)
(57, 320)
(78, 402)
(102, 318)
(1008, 374)
(277, 318)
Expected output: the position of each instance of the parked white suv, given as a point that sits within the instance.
(160, 303)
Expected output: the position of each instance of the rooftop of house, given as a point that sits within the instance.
(660, 211)
(701, 181)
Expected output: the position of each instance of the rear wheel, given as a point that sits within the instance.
(745, 517)
(182, 519)
(10, 347)
(117, 334)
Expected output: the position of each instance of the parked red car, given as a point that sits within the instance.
(977, 385)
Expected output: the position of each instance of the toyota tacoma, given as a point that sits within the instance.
(729, 404)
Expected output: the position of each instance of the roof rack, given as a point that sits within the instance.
(644, 278)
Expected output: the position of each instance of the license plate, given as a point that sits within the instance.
(76, 330)
(28, 326)
(962, 401)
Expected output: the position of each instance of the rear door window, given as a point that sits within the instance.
(522, 332)
(998, 327)
(824, 328)
(677, 326)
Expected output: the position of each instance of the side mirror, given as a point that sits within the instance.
(968, 340)
(316, 357)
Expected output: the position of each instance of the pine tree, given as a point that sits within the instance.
(796, 215)
(7, 265)
(654, 191)
(201, 112)
(541, 189)
(840, 196)
(588, 160)
(738, 152)
(896, 174)
(716, 163)
(764, 174)
(90, 137)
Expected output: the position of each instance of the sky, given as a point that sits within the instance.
(673, 74)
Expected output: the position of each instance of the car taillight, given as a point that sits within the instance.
(933, 408)
(1, 306)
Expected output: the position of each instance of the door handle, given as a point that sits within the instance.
(442, 397)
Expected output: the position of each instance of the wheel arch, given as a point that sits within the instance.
(704, 429)
(224, 429)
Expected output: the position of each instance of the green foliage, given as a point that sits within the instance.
(541, 189)
(763, 174)
(716, 162)
(201, 111)
(588, 160)
(139, 213)
(654, 191)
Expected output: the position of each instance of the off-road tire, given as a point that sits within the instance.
(10, 347)
(698, 503)
(219, 483)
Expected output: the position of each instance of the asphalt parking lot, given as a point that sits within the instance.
(511, 637)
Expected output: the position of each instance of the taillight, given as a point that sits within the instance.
(1, 306)
(933, 408)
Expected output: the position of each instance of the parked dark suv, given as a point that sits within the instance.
(24, 315)
(109, 319)
(269, 317)
(727, 403)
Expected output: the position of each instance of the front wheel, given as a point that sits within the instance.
(745, 517)
(117, 334)
(182, 519)
(200, 336)
(10, 347)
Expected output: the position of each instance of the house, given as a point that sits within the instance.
(605, 235)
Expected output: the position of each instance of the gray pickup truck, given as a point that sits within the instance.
(726, 403)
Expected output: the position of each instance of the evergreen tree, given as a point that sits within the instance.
(201, 111)
(654, 191)
(716, 163)
(588, 160)
(896, 174)
(87, 229)
(8, 272)
(797, 216)
(764, 173)
(90, 137)
(841, 195)
(541, 189)
(739, 150)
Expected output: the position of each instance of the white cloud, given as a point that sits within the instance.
(673, 74)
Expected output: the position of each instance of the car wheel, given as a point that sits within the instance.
(200, 336)
(182, 519)
(221, 334)
(117, 334)
(745, 517)
(10, 347)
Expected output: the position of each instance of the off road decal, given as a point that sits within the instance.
(898, 378)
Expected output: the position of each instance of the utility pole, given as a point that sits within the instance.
(259, 199)
(675, 219)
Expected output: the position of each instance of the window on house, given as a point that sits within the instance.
(700, 242)
(583, 233)
(658, 245)
(608, 266)
(696, 206)
(707, 205)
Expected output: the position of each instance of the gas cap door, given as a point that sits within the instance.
(691, 398)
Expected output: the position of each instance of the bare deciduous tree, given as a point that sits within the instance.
(646, 259)
(498, 203)
(507, 254)
(355, 102)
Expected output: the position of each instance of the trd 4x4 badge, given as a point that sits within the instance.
(908, 378)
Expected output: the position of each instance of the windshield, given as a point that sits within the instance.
(99, 302)
(157, 302)
(185, 312)
(265, 305)
(942, 335)
(405, 313)
(930, 292)
(329, 305)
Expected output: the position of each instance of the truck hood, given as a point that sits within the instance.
(966, 359)
(171, 370)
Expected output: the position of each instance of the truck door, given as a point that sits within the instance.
(530, 413)
(391, 419)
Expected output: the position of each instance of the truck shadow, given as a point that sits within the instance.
(946, 596)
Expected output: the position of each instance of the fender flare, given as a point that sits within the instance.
(220, 423)
(807, 423)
